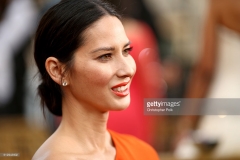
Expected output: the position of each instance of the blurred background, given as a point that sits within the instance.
(182, 48)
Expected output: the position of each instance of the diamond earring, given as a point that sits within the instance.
(64, 83)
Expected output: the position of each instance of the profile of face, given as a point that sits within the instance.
(102, 68)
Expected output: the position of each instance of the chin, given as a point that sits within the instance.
(120, 108)
(121, 104)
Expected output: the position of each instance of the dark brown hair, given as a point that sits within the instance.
(59, 34)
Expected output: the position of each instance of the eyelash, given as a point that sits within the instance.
(105, 57)
(108, 56)
(128, 50)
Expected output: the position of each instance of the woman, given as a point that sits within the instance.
(82, 53)
(215, 76)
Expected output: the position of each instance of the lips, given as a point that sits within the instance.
(121, 89)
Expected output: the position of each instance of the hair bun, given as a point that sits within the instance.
(51, 98)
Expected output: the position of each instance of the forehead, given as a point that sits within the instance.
(108, 29)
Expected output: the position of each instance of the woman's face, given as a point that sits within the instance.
(103, 68)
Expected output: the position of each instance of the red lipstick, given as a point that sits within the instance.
(121, 89)
(120, 84)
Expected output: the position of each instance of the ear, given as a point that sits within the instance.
(54, 69)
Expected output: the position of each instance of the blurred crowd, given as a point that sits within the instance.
(182, 48)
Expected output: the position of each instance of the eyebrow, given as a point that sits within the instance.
(108, 48)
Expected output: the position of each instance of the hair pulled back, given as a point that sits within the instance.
(59, 34)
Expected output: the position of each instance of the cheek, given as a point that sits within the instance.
(94, 75)
(133, 64)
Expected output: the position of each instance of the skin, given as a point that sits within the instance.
(101, 63)
(221, 13)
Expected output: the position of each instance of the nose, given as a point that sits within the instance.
(126, 66)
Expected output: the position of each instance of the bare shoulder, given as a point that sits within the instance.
(45, 151)
(49, 155)
(228, 13)
(58, 154)
(50, 152)
(58, 147)
(52, 148)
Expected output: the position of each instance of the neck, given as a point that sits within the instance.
(85, 126)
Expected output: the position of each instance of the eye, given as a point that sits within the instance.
(105, 57)
(127, 51)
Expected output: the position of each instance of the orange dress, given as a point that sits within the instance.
(130, 148)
